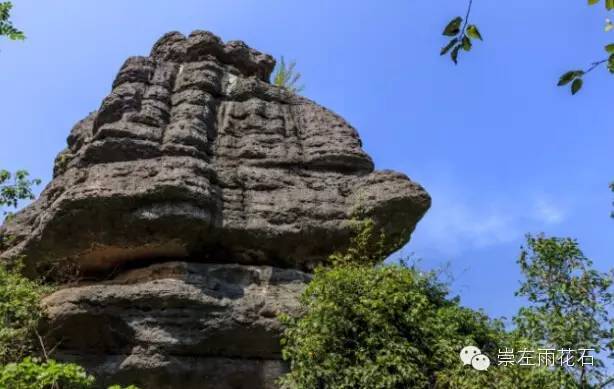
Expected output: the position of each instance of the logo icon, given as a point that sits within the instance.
(471, 355)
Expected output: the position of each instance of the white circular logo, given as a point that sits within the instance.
(480, 362)
(467, 353)
(471, 355)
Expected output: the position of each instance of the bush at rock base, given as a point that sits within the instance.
(33, 374)
(20, 313)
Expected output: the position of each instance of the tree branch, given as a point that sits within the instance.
(594, 65)
(462, 31)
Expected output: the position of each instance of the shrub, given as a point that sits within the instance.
(32, 374)
(395, 327)
(19, 314)
(287, 77)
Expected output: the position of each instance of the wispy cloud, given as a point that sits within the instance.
(457, 222)
(546, 211)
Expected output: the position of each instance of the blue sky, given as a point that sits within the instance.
(501, 150)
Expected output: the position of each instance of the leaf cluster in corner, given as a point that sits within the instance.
(6, 27)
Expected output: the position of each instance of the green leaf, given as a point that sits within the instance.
(16, 35)
(569, 76)
(610, 48)
(453, 28)
(447, 47)
(576, 85)
(609, 4)
(593, 2)
(454, 53)
(466, 43)
(566, 78)
(473, 32)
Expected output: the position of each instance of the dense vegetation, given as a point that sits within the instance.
(25, 361)
(392, 326)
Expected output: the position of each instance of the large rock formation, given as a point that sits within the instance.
(191, 206)
(178, 325)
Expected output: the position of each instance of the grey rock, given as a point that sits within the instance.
(177, 325)
(188, 206)
(195, 154)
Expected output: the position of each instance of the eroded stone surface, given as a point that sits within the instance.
(216, 188)
(177, 325)
(194, 153)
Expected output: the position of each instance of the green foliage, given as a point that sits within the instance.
(609, 4)
(462, 34)
(576, 85)
(576, 75)
(462, 38)
(6, 27)
(473, 32)
(367, 247)
(569, 302)
(287, 77)
(386, 327)
(32, 374)
(453, 28)
(395, 327)
(15, 187)
(570, 76)
(19, 314)
(502, 376)
(449, 46)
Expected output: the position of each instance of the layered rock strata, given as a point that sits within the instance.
(187, 211)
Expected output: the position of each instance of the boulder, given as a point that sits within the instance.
(186, 213)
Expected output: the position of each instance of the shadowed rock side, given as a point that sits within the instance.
(178, 325)
(189, 191)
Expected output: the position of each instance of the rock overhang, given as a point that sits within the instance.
(195, 155)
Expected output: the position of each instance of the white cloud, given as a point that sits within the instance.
(547, 211)
(457, 223)
(451, 226)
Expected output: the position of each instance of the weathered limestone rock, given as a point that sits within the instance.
(194, 153)
(184, 201)
(178, 325)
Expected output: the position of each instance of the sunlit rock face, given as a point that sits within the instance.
(195, 158)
